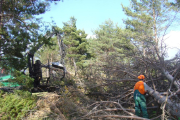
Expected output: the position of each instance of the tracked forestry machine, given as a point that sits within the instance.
(56, 70)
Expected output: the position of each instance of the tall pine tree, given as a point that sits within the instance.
(147, 23)
(76, 43)
(110, 47)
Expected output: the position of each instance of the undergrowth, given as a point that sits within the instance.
(14, 106)
(72, 103)
(23, 80)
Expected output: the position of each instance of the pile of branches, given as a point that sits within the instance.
(111, 85)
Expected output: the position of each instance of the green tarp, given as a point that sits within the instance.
(4, 81)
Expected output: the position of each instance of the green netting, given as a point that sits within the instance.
(9, 84)
(4, 81)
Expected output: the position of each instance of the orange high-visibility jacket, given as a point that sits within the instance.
(140, 87)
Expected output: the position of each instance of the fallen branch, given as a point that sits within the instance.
(119, 116)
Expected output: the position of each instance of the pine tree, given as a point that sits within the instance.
(76, 43)
(110, 41)
(175, 3)
(21, 30)
(110, 47)
(147, 22)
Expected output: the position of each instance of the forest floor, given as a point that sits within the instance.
(46, 103)
(69, 103)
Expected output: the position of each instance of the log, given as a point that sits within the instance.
(170, 78)
(171, 107)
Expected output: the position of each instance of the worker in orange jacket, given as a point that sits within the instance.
(140, 89)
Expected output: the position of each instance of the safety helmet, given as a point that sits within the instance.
(141, 77)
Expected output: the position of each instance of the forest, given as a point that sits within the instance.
(100, 71)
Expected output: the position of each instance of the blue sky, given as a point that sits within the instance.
(92, 13)
(89, 13)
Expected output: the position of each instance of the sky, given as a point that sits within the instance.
(173, 43)
(92, 13)
(89, 13)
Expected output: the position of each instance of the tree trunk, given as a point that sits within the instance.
(171, 107)
(170, 78)
(75, 67)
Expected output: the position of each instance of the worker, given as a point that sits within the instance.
(140, 89)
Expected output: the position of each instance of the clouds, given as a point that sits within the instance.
(172, 42)
(90, 36)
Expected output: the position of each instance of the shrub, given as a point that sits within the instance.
(16, 105)
(24, 80)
